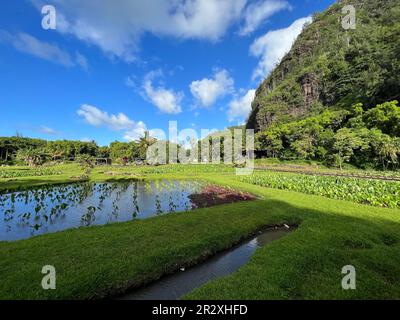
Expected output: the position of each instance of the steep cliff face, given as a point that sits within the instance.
(331, 67)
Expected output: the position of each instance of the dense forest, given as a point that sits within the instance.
(334, 96)
(18, 150)
(366, 138)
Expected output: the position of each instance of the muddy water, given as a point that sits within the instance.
(176, 285)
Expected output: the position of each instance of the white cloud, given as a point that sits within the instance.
(140, 130)
(117, 26)
(130, 82)
(239, 108)
(256, 13)
(166, 100)
(26, 43)
(207, 91)
(98, 118)
(204, 19)
(47, 130)
(274, 45)
(137, 131)
(82, 61)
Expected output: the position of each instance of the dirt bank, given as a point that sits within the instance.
(213, 195)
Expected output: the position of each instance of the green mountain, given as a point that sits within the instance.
(326, 73)
(330, 67)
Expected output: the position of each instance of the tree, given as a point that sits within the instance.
(386, 148)
(271, 143)
(86, 161)
(32, 157)
(385, 117)
(9, 146)
(345, 142)
(66, 149)
(304, 147)
(103, 152)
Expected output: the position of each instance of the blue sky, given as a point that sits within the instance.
(112, 69)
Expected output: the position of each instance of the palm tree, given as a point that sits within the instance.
(32, 157)
(144, 143)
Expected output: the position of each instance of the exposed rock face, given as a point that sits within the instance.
(310, 89)
(268, 107)
(262, 119)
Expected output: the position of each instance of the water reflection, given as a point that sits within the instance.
(54, 208)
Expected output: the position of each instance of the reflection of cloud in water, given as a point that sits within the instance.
(59, 207)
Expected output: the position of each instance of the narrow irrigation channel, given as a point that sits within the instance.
(176, 285)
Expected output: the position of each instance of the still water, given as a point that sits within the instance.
(178, 284)
(54, 208)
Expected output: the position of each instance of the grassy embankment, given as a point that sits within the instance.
(104, 260)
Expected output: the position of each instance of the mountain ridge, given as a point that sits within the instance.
(330, 67)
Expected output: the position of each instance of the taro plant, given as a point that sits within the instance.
(88, 218)
(366, 191)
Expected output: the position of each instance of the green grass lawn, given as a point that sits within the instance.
(103, 261)
(12, 178)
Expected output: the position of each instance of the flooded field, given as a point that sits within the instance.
(55, 208)
(24, 214)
